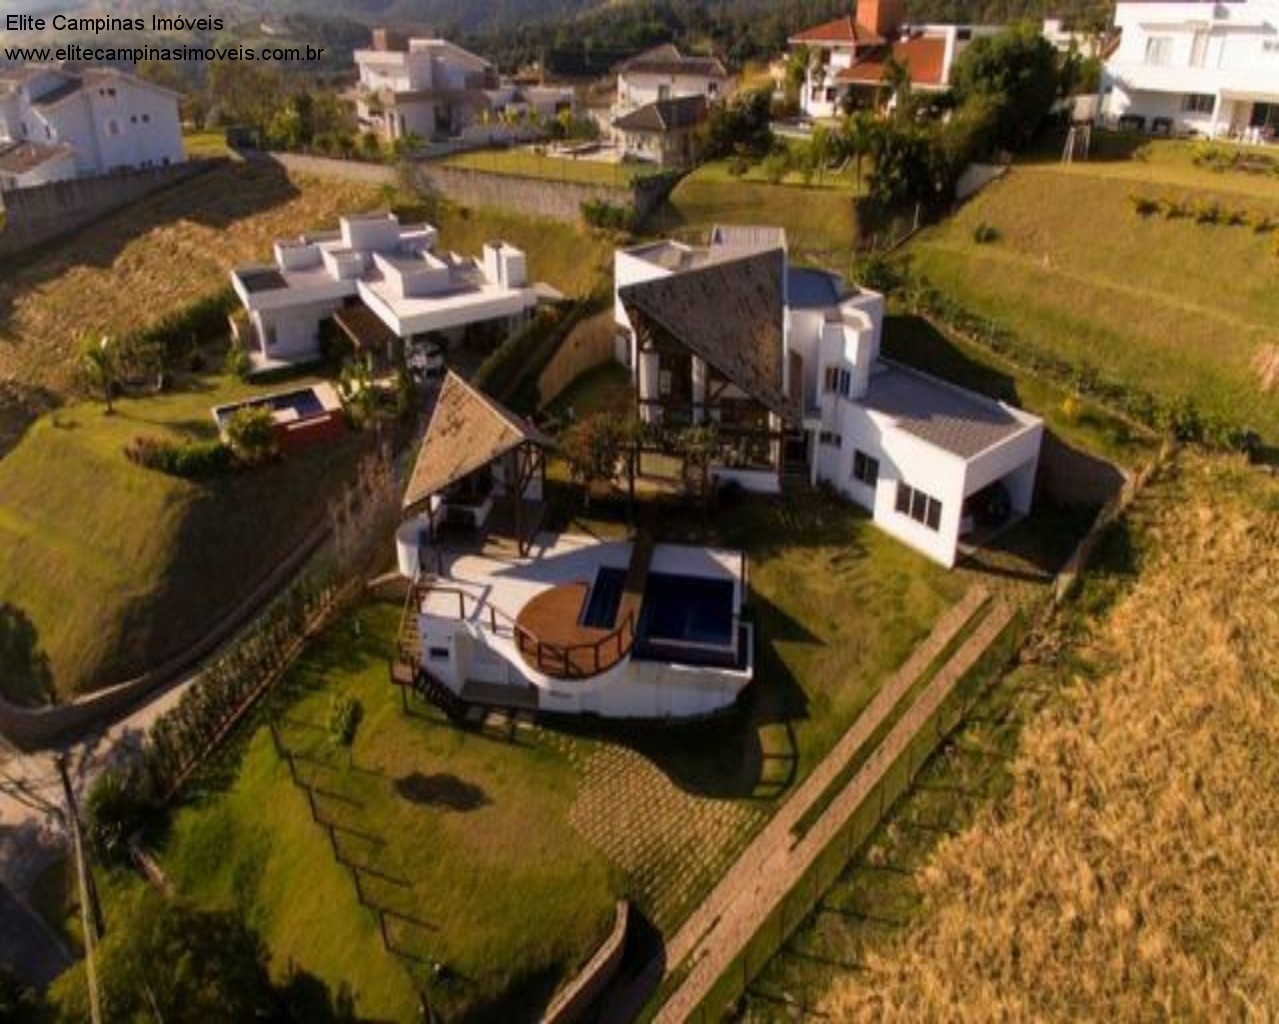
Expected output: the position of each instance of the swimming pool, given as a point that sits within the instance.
(302, 404)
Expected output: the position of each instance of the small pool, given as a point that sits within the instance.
(288, 406)
(692, 610)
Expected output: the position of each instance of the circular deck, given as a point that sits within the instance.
(551, 640)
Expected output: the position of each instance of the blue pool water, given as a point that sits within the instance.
(687, 609)
(304, 402)
(605, 598)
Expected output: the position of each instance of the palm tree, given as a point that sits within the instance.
(859, 138)
(101, 368)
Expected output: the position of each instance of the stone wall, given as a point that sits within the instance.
(535, 197)
(575, 1002)
(33, 216)
(588, 345)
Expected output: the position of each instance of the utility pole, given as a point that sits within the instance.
(90, 914)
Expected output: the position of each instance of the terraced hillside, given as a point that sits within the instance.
(1181, 307)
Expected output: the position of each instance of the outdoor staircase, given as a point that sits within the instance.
(408, 669)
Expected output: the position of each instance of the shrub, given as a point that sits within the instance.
(251, 435)
(738, 166)
(1262, 223)
(776, 166)
(236, 363)
(115, 810)
(1072, 407)
(1207, 212)
(600, 213)
(984, 234)
(1172, 208)
(1145, 206)
(344, 719)
(189, 459)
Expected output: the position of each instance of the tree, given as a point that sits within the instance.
(358, 392)
(166, 960)
(795, 76)
(250, 434)
(1016, 71)
(697, 445)
(592, 447)
(115, 810)
(740, 126)
(100, 366)
(858, 140)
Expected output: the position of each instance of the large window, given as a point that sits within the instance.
(1159, 51)
(865, 468)
(1198, 103)
(837, 381)
(919, 506)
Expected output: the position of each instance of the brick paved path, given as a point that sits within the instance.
(721, 928)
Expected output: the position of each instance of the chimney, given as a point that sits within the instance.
(883, 17)
(389, 40)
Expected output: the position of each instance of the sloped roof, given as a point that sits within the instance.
(665, 115)
(21, 157)
(730, 314)
(945, 416)
(468, 430)
(843, 31)
(924, 57)
(667, 60)
(58, 93)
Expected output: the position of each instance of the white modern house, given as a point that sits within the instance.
(428, 88)
(848, 56)
(561, 624)
(383, 283)
(1209, 67)
(57, 124)
(664, 73)
(785, 363)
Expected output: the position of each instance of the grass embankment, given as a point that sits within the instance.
(117, 566)
(1098, 840)
(820, 219)
(526, 163)
(1173, 307)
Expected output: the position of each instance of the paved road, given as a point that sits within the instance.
(32, 835)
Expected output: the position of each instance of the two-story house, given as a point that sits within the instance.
(428, 88)
(1209, 67)
(663, 98)
(57, 124)
(785, 364)
(848, 56)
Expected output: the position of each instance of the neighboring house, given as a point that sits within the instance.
(1065, 39)
(427, 88)
(848, 56)
(664, 132)
(785, 363)
(561, 624)
(663, 73)
(543, 102)
(57, 124)
(382, 284)
(1211, 68)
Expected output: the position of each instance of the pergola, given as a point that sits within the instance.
(469, 433)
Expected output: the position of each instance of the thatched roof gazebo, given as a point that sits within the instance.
(469, 437)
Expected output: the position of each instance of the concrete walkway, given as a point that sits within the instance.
(722, 929)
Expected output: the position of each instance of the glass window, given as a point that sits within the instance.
(903, 498)
(1159, 50)
(1198, 103)
(919, 506)
(865, 468)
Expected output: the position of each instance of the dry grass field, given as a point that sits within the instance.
(1131, 870)
(152, 258)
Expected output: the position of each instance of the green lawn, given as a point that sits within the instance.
(820, 220)
(205, 144)
(567, 256)
(468, 836)
(118, 567)
(1173, 307)
(527, 163)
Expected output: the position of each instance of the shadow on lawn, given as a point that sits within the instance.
(441, 790)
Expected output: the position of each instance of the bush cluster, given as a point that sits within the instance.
(183, 735)
(192, 460)
(600, 213)
(1179, 418)
(1201, 211)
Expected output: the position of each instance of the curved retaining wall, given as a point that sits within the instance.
(574, 1002)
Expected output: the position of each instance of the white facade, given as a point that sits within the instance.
(1210, 68)
(108, 119)
(664, 73)
(430, 89)
(871, 427)
(395, 271)
(465, 621)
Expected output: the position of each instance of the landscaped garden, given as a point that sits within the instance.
(1152, 266)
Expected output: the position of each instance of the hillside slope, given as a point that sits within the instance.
(1132, 871)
